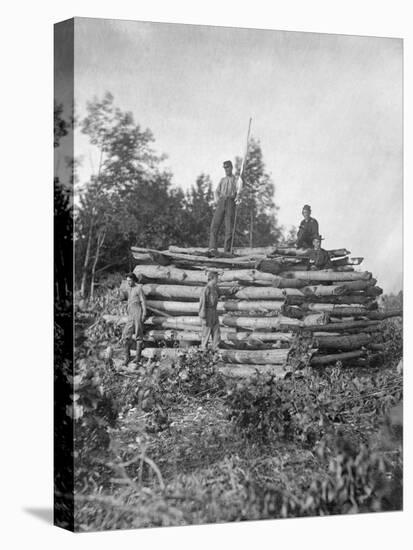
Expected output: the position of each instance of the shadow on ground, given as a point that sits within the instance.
(45, 514)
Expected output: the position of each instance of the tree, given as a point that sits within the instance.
(63, 219)
(257, 223)
(129, 201)
(289, 236)
(393, 301)
(198, 212)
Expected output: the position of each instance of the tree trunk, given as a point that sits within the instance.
(344, 325)
(324, 290)
(338, 310)
(378, 347)
(227, 335)
(304, 252)
(326, 359)
(238, 262)
(255, 251)
(227, 291)
(381, 315)
(262, 323)
(351, 299)
(178, 322)
(173, 291)
(327, 275)
(86, 261)
(265, 306)
(267, 293)
(248, 371)
(355, 286)
(355, 341)
(99, 243)
(173, 275)
(251, 226)
(192, 308)
(144, 258)
(89, 241)
(255, 357)
(238, 251)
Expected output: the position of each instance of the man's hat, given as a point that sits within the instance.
(307, 207)
(227, 163)
(212, 274)
(132, 276)
(319, 238)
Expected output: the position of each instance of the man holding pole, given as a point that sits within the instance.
(227, 196)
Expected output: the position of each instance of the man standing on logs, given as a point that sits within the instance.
(308, 229)
(226, 197)
(208, 312)
(133, 330)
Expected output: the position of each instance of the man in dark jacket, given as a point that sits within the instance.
(319, 258)
(308, 229)
(226, 197)
(208, 312)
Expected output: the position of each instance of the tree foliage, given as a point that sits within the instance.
(129, 199)
(257, 213)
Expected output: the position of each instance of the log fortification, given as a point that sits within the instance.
(276, 311)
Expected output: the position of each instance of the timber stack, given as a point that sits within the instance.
(277, 312)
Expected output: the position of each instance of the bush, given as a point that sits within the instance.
(357, 479)
(393, 335)
(265, 409)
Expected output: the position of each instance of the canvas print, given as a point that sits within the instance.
(228, 274)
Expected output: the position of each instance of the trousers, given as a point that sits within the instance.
(210, 332)
(133, 326)
(225, 210)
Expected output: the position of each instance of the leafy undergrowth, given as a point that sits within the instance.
(177, 444)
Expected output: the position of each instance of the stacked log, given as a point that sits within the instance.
(270, 300)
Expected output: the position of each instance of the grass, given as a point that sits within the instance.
(181, 445)
(202, 469)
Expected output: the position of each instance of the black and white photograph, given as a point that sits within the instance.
(228, 274)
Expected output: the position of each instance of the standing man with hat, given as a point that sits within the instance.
(208, 314)
(133, 330)
(226, 197)
(308, 229)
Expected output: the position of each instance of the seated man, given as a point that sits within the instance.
(319, 258)
(308, 229)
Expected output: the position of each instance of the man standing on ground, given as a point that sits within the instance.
(133, 330)
(308, 229)
(226, 197)
(208, 312)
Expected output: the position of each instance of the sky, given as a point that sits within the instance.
(327, 110)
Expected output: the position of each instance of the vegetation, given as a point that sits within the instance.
(174, 444)
(130, 200)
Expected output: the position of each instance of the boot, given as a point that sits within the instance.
(127, 347)
(138, 352)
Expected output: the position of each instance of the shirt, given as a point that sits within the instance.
(307, 231)
(136, 301)
(208, 305)
(227, 188)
